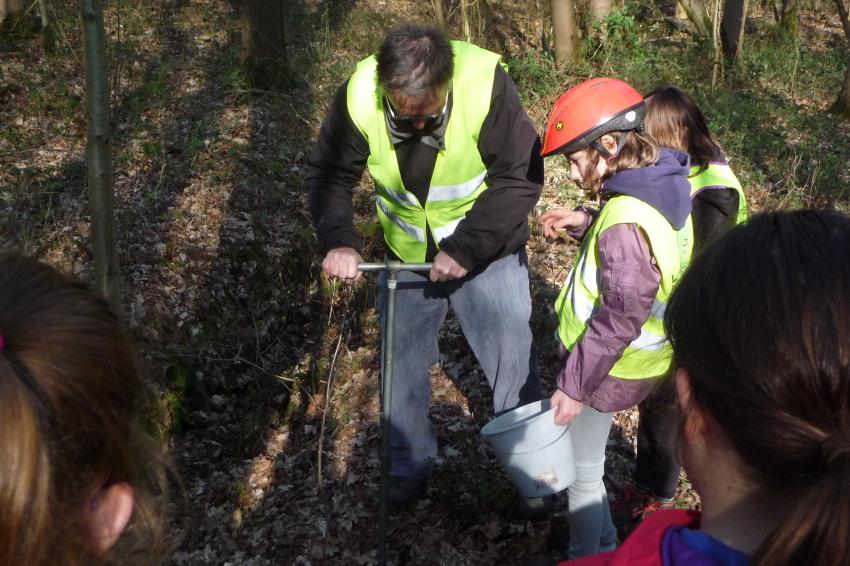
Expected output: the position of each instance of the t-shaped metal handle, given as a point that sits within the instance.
(394, 266)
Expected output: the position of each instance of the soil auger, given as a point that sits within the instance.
(387, 331)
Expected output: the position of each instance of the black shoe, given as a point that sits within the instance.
(534, 508)
(404, 491)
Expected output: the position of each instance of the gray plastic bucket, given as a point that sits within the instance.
(536, 453)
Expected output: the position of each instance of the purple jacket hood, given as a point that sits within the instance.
(664, 186)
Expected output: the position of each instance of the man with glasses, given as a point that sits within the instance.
(456, 166)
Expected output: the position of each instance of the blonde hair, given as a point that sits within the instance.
(70, 422)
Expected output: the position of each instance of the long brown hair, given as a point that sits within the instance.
(675, 121)
(761, 322)
(70, 397)
(639, 150)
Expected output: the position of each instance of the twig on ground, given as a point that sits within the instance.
(332, 299)
(327, 405)
(260, 91)
(240, 360)
(34, 150)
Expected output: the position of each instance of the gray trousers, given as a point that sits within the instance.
(591, 529)
(493, 306)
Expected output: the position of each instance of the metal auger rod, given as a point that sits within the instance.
(392, 268)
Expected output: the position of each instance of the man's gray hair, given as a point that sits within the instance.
(415, 61)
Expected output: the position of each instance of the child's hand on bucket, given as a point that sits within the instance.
(567, 408)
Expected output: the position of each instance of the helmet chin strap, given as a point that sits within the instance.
(621, 141)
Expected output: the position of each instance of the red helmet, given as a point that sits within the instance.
(590, 110)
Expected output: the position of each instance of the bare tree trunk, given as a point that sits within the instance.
(99, 151)
(732, 28)
(842, 12)
(564, 31)
(698, 14)
(464, 17)
(439, 17)
(47, 30)
(264, 43)
(789, 20)
(599, 9)
(10, 8)
(717, 67)
(42, 14)
(842, 105)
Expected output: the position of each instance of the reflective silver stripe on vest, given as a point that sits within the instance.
(584, 309)
(648, 341)
(455, 192)
(403, 198)
(658, 309)
(590, 278)
(410, 229)
(447, 230)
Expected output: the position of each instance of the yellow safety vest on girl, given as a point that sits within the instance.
(650, 354)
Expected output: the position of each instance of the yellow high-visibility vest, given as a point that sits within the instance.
(650, 354)
(460, 175)
(719, 175)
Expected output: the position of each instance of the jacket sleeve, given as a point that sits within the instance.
(510, 149)
(630, 281)
(335, 167)
(590, 215)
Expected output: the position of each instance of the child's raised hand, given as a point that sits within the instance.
(556, 220)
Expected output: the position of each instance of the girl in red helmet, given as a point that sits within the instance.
(634, 248)
(761, 326)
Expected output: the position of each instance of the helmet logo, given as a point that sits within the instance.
(630, 115)
(559, 126)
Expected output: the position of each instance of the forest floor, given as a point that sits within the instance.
(266, 374)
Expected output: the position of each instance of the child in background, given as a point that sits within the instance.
(612, 342)
(760, 325)
(675, 121)
(77, 468)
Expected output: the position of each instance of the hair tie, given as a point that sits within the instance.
(836, 447)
